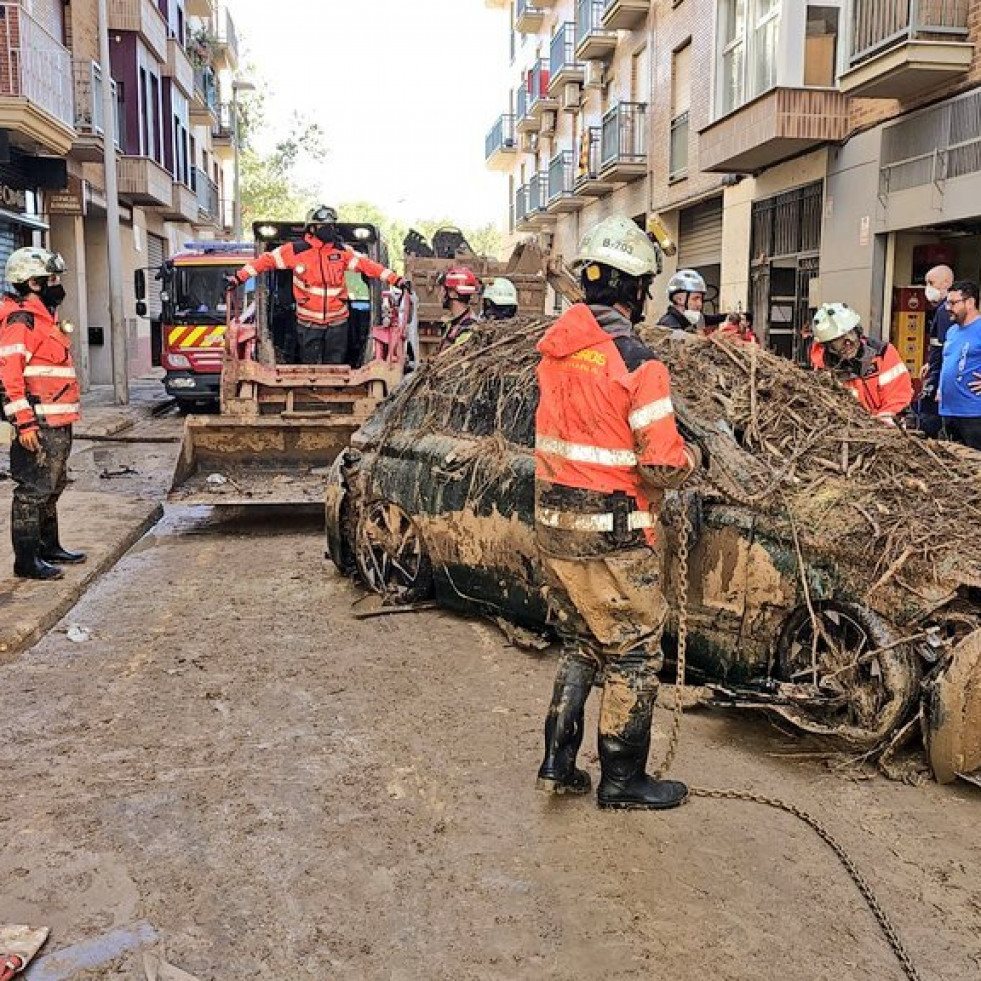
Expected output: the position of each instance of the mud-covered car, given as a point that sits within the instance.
(831, 569)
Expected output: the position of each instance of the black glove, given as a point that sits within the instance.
(403, 284)
(232, 282)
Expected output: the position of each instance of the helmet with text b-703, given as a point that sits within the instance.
(834, 320)
(33, 263)
(619, 243)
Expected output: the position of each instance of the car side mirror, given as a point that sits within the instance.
(139, 286)
(141, 308)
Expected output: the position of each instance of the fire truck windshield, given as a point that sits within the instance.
(199, 294)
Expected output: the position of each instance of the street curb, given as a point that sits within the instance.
(49, 617)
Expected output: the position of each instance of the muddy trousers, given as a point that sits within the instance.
(40, 479)
(323, 345)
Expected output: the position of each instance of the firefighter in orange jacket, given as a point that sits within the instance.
(606, 446)
(41, 399)
(319, 263)
(873, 370)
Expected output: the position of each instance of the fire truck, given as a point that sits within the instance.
(193, 315)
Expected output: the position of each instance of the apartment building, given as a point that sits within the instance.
(798, 151)
(173, 137)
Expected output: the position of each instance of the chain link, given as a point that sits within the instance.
(683, 529)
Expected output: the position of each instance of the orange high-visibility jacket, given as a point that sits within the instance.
(884, 386)
(36, 370)
(318, 276)
(604, 411)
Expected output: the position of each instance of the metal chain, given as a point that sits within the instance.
(683, 528)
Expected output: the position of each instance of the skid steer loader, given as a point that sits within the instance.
(281, 423)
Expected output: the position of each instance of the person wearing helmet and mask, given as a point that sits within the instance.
(606, 448)
(872, 370)
(318, 263)
(459, 288)
(41, 400)
(686, 297)
(500, 300)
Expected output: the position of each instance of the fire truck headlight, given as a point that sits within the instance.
(362, 233)
(178, 361)
(267, 231)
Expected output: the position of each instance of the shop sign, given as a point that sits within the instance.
(71, 201)
(12, 198)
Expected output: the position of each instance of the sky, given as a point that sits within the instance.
(404, 91)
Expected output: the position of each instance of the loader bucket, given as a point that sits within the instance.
(953, 714)
(257, 460)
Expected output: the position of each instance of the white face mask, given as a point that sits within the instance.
(934, 295)
(693, 317)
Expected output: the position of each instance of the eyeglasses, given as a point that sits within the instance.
(952, 301)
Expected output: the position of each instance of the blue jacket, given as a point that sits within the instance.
(939, 325)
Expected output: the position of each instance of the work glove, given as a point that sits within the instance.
(232, 282)
(403, 284)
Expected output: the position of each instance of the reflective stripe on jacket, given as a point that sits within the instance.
(318, 271)
(882, 383)
(456, 332)
(604, 411)
(36, 369)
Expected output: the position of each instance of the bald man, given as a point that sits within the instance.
(938, 281)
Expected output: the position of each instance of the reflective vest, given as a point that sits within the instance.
(456, 331)
(882, 382)
(318, 271)
(36, 370)
(604, 411)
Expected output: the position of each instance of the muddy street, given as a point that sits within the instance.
(280, 789)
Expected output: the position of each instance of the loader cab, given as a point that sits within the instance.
(275, 306)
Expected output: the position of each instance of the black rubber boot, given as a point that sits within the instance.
(26, 537)
(625, 783)
(51, 548)
(564, 727)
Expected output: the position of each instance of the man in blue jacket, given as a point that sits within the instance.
(960, 372)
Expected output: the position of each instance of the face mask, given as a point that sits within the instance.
(52, 296)
(326, 234)
(446, 300)
(693, 317)
(934, 295)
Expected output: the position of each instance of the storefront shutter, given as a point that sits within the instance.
(700, 235)
(155, 252)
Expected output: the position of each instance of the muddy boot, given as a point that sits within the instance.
(51, 548)
(624, 742)
(26, 537)
(564, 727)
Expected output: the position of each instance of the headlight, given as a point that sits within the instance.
(362, 233)
(178, 361)
(267, 231)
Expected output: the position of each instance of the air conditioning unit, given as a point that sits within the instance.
(548, 123)
(529, 142)
(595, 75)
(571, 95)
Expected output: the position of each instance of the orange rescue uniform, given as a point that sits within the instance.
(883, 386)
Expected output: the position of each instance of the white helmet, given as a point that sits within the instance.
(618, 242)
(834, 320)
(686, 281)
(33, 263)
(502, 293)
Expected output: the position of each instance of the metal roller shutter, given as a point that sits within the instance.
(155, 255)
(700, 235)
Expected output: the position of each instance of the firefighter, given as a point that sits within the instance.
(500, 300)
(606, 447)
(318, 263)
(41, 400)
(459, 287)
(872, 370)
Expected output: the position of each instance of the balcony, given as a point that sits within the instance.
(200, 8)
(226, 50)
(88, 145)
(538, 216)
(204, 103)
(623, 156)
(183, 204)
(520, 213)
(593, 41)
(141, 17)
(625, 15)
(562, 184)
(528, 17)
(778, 125)
(500, 146)
(524, 121)
(901, 48)
(497, 4)
(36, 91)
(539, 99)
(563, 68)
(143, 181)
(179, 67)
(589, 183)
(208, 200)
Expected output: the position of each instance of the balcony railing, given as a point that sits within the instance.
(561, 176)
(592, 40)
(209, 204)
(678, 154)
(538, 192)
(563, 66)
(528, 17)
(879, 24)
(625, 135)
(520, 204)
(222, 127)
(538, 85)
(227, 38)
(500, 137)
(521, 102)
(89, 116)
(34, 65)
(206, 88)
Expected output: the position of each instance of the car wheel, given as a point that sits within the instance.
(390, 553)
(855, 683)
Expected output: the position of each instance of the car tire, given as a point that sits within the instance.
(390, 553)
(863, 701)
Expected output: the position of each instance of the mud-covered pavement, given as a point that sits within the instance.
(282, 790)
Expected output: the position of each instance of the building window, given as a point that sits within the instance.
(749, 33)
(680, 105)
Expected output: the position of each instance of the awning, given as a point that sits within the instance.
(29, 221)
